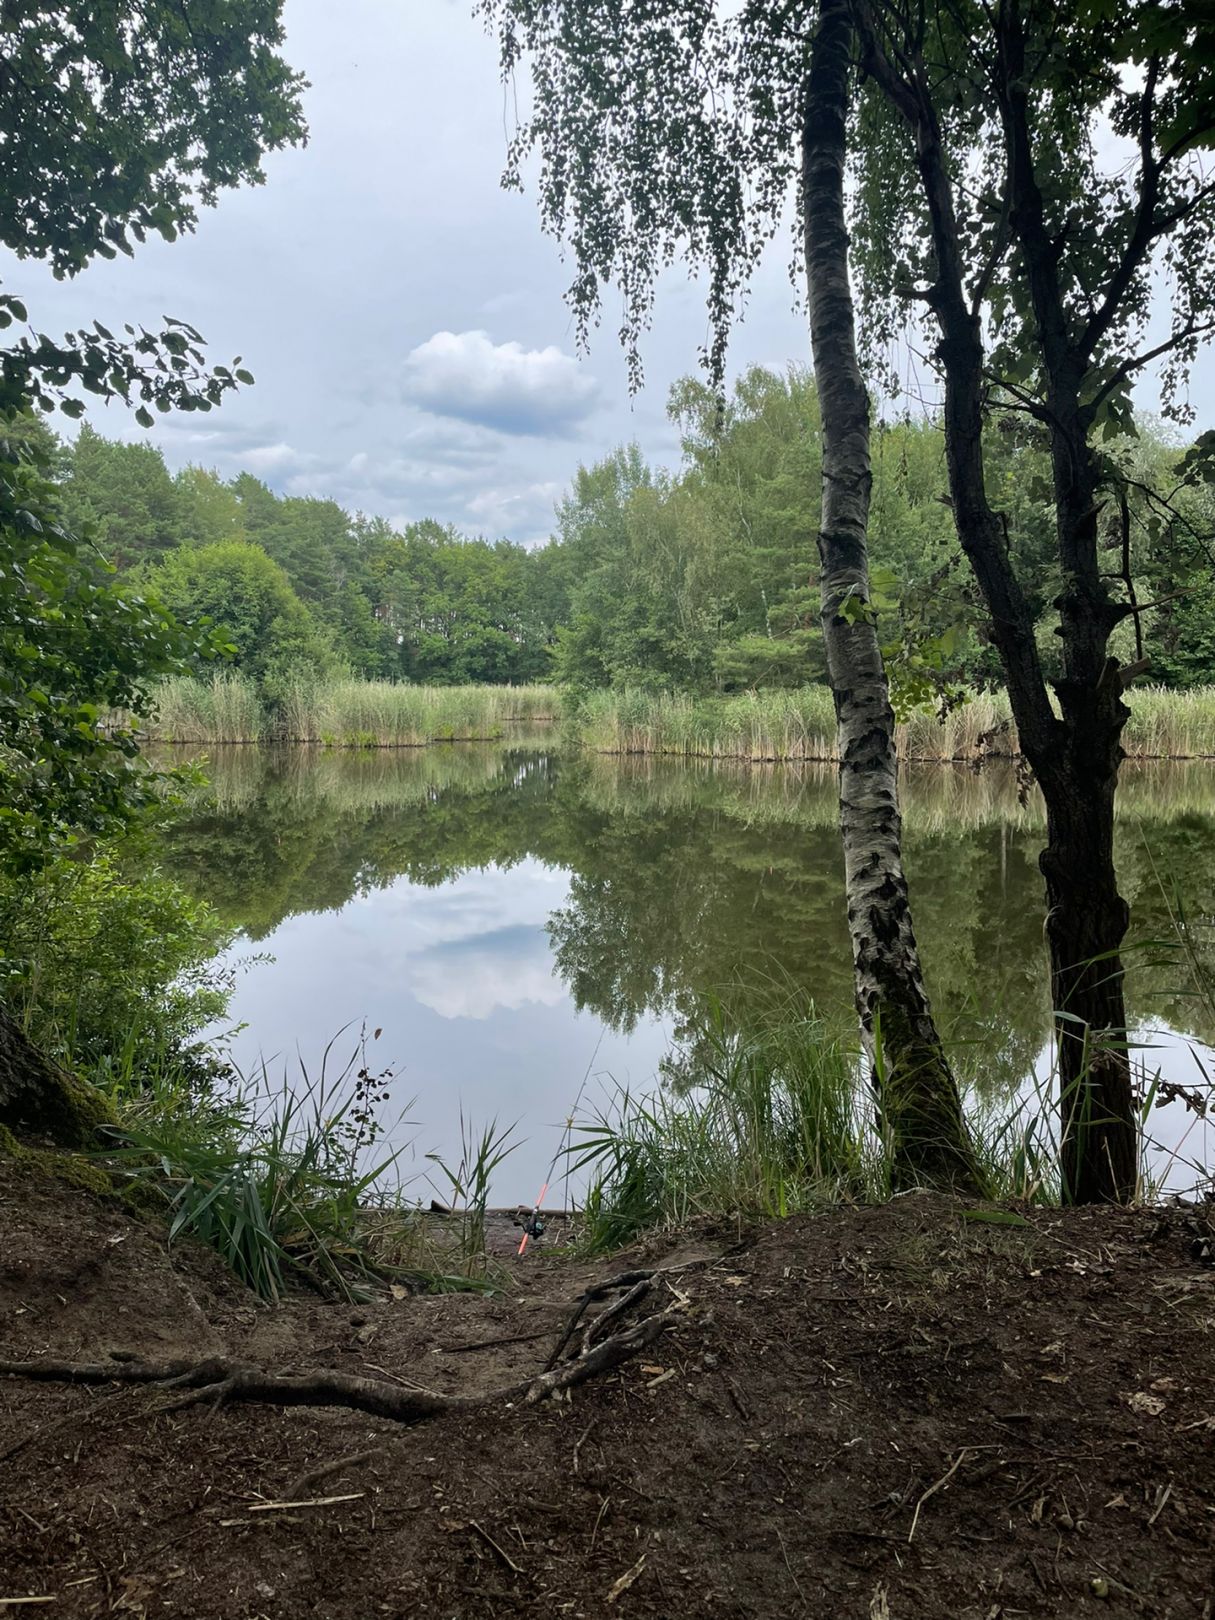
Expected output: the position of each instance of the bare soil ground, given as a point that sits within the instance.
(881, 1413)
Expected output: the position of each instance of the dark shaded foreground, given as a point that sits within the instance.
(882, 1413)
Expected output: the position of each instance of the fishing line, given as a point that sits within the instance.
(535, 1226)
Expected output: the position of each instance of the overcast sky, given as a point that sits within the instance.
(403, 316)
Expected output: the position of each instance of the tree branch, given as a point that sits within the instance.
(998, 250)
(1144, 230)
(1129, 367)
(961, 356)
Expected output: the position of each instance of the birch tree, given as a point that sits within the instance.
(672, 132)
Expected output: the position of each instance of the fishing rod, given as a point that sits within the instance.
(534, 1227)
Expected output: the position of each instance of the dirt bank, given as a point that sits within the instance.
(881, 1413)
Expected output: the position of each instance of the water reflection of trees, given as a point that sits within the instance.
(687, 879)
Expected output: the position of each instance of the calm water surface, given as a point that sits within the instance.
(515, 919)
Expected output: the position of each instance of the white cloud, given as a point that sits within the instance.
(524, 512)
(499, 385)
(273, 458)
(477, 981)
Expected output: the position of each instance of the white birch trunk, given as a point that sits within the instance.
(917, 1099)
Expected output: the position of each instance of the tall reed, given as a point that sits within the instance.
(379, 714)
(799, 725)
(786, 725)
(225, 708)
(228, 708)
(768, 726)
(1170, 725)
(752, 1123)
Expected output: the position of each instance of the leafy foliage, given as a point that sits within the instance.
(74, 643)
(115, 119)
(697, 578)
(236, 586)
(105, 965)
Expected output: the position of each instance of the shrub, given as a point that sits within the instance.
(107, 967)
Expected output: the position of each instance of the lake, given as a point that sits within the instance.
(525, 925)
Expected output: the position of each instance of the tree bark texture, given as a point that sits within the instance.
(1086, 916)
(918, 1106)
(36, 1095)
(1075, 758)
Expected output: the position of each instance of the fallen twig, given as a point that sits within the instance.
(626, 1580)
(617, 1308)
(578, 1443)
(490, 1542)
(933, 1489)
(626, 1279)
(315, 1501)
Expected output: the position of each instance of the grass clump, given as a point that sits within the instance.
(275, 1179)
(294, 1182)
(468, 1186)
(753, 1123)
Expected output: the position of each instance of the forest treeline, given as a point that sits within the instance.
(697, 579)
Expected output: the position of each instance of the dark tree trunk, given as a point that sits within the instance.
(918, 1105)
(38, 1096)
(1075, 758)
(1086, 916)
(1085, 924)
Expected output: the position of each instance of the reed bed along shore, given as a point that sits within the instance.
(799, 725)
(344, 714)
(795, 726)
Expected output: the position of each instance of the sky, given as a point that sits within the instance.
(402, 314)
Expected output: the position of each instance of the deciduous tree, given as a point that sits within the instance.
(679, 131)
(1029, 169)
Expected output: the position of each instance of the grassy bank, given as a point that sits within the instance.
(343, 714)
(773, 1118)
(790, 726)
(800, 725)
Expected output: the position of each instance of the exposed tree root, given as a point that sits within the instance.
(638, 1283)
(219, 1378)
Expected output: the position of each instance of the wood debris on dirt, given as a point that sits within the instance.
(846, 1415)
